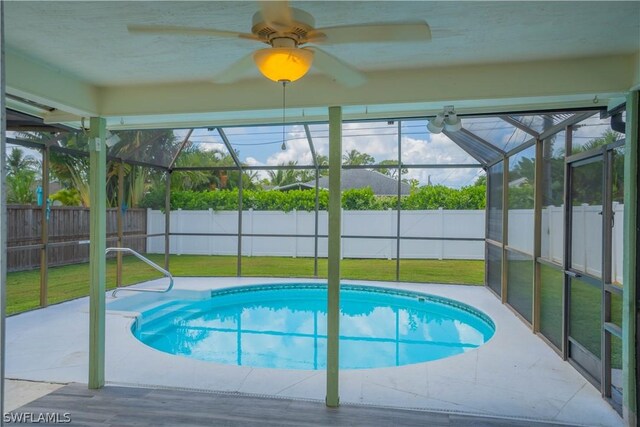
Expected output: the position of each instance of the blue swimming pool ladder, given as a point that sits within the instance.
(148, 262)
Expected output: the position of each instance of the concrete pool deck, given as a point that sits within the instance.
(514, 375)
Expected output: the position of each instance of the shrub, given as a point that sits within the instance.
(424, 198)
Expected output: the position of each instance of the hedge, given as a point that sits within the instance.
(424, 198)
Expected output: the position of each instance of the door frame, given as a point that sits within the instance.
(605, 155)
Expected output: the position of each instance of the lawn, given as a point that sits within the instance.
(72, 281)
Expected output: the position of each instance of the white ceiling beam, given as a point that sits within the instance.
(54, 88)
(559, 78)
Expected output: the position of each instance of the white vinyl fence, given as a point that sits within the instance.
(433, 223)
(437, 223)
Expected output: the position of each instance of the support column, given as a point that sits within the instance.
(333, 290)
(120, 223)
(239, 260)
(505, 227)
(44, 226)
(167, 220)
(3, 214)
(316, 224)
(630, 318)
(537, 235)
(399, 201)
(97, 247)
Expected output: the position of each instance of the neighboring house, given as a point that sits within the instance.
(382, 185)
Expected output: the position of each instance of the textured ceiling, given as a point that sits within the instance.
(78, 60)
(89, 40)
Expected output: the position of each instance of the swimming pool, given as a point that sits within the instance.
(284, 326)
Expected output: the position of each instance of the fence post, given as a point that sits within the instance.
(441, 214)
(295, 231)
(211, 230)
(341, 228)
(392, 231)
(179, 230)
(251, 231)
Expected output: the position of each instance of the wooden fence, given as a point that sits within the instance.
(66, 224)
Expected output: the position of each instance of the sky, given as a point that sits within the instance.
(262, 145)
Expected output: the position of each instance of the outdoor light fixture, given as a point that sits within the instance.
(436, 124)
(283, 64)
(452, 123)
(448, 120)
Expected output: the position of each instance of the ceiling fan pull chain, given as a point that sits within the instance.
(284, 144)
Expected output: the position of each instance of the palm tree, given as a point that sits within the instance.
(355, 158)
(22, 172)
(17, 161)
(282, 177)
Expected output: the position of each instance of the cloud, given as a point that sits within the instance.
(380, 140)
(298, 149)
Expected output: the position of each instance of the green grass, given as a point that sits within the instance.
(72, 281)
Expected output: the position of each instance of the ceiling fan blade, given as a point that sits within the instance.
(372, 33)
(342, 72)
(277, 14)
(187, 31)
(236, 71)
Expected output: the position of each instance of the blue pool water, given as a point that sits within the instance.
(284, 326)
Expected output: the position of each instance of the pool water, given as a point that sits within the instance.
(284, 326)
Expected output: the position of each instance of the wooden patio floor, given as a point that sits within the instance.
(125, 406)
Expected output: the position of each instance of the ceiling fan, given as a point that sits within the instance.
(287, 30)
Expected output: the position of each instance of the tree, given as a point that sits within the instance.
(282, 177)
(481, 181)
(22, 175)
(17, 162)
(392, 171)
(356, 158)
(323, 161)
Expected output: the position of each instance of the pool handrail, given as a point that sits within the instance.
(148, 262)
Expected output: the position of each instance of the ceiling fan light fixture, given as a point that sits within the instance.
(283, 64)
(436, 124)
